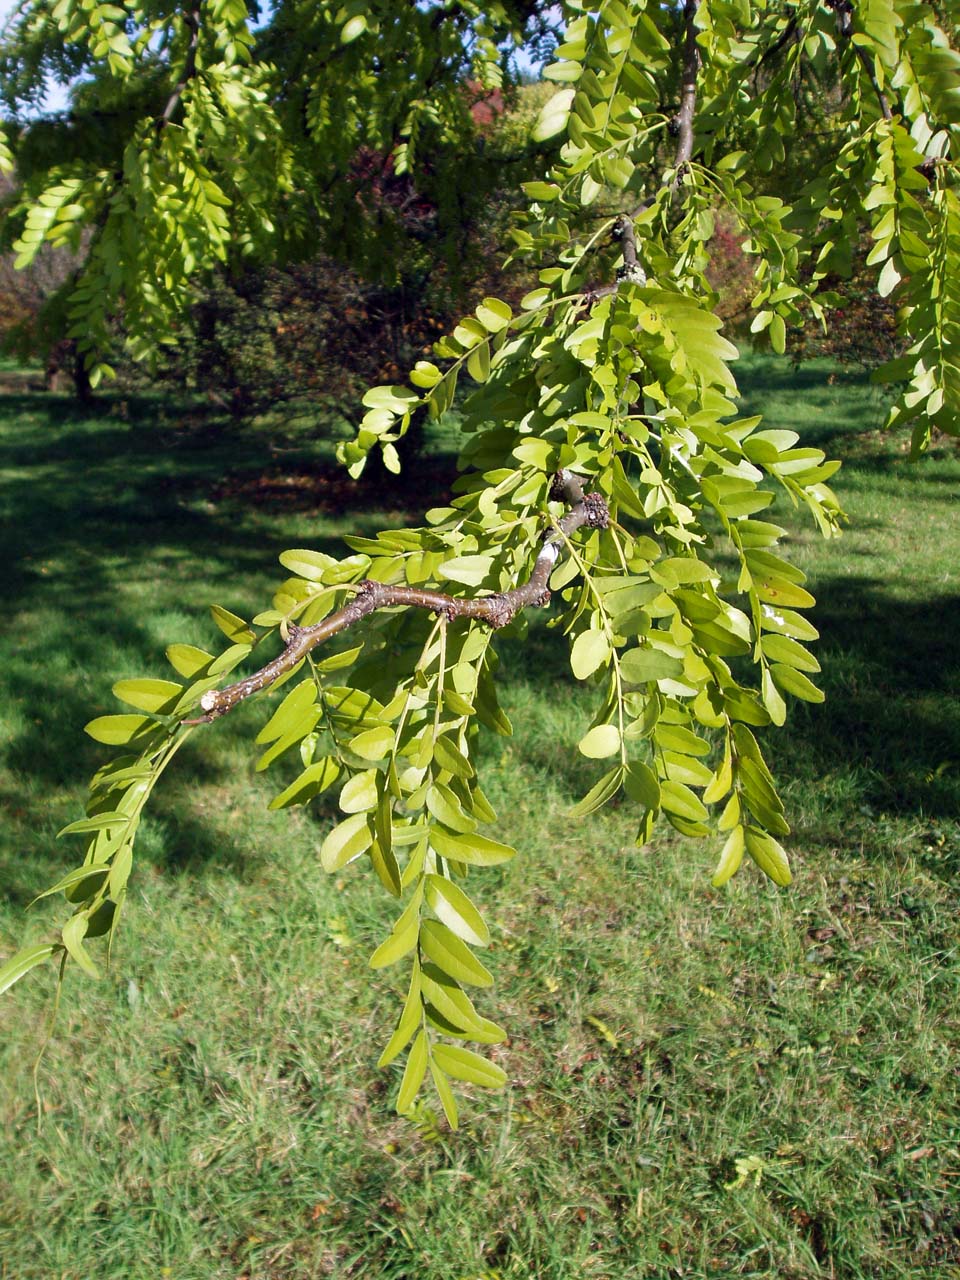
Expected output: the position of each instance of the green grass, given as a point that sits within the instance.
(211, 1108)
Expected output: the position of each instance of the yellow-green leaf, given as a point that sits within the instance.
(467, 846)
(641, 784)
(21, 963)
(348, 840)
(445, 1094)
(730, 857)
(456, 910)
(119, 730)
(233, 627)
(589, 651)
(452, 955)
(373, 744)
(148, 695)
(413, 1074)
(768, 855)
(187, 659)
(360, 793)
(464, 1064)
(603, 740)
(73, 933)
(317, 777)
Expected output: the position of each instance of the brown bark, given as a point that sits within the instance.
(495, 610)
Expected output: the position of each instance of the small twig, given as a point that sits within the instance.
(881, 96)
(495, 610)
(781, 42)
(844, 10)
(191, 20)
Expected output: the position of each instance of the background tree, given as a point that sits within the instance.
(191, 141)
(323, 329)
(603, 460)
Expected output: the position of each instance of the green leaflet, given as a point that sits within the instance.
(469, 570)
(464, 1064)
(148, 695)
(413, 1073)
(316, 778)
(553, 117)
(386, 866)
(455, 909)
(730, 857)
(188, 660)
(445, 1094)
(768, 855)
(361, 792)
(589, 651)
(373, 744)
(446, 808)
(678, 799)
(451, 758)
(229, 659)
(307, 564)
(347, 841)
(19, 965)
(641, 785)
(599, 794)
(493, 314)
(790, 680)
(639, 666)
(99, 822)
(403, 936)
(601, 741)
(781, 649)
(121, 730)
(73, 933)
(296, 734)
(449, 1008)
(469, 847)
(234, 628)
(675, 737)
(294, 709)
(408, 1022)
(452, 955)
(80, 885)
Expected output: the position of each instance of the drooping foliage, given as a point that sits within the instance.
(604, 463)
(193, 140)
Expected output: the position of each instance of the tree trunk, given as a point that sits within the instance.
(67, 372)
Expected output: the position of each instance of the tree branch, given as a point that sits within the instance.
(191, 20)
(688, 90)
(844, 10)
(631, 270)
(781, 42)
(495, 610)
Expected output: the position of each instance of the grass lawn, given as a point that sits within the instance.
(703, 1084)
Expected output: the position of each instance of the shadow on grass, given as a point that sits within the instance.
(118, 529)
(888, 736)
(886, 741)
(96, 501)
